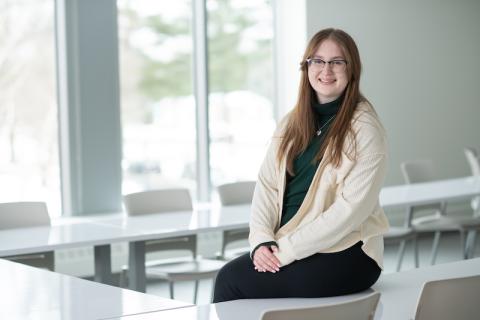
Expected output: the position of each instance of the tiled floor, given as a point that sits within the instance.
(449, 250)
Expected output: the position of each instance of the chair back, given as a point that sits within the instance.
(473, 160)
(15, 215)
(161, 201)
(449, 299)
(418, 171)
(23, 214)
(358, 309)
(158, 201)
(240, 192)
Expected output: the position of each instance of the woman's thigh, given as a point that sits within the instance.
(331, 274)
(320, 275)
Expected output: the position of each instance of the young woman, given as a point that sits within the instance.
(316, 224)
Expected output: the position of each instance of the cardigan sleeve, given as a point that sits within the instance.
(351, 207)
(264, 215)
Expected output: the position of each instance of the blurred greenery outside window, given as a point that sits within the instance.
(158, 106)
(29, 159)
(240, 57)
(158, 109)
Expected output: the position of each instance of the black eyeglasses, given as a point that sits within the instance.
(317, 64)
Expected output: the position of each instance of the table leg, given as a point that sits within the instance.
(103, 264)
(136, 266)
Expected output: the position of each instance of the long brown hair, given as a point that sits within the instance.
(301, 125)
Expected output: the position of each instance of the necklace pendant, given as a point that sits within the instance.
(319, 132)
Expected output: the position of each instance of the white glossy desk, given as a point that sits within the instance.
(232, 217)
(399, 291)
(164, 225)
(31, 293)
(64, 236)
(102, 230)
(430, 192)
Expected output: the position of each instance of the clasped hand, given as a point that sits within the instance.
(265, 260)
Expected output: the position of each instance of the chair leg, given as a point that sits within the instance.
(195, 292)
(415, 251)
(401, 252)
(470, 244)
(170, 287)
(463, 245)
(436, 242)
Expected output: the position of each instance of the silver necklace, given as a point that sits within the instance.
(319, 131)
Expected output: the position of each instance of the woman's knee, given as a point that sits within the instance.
(234, 268)
(226, 282)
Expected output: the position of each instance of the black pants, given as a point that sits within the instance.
(320, 275)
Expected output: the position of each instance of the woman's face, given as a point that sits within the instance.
(328, 79)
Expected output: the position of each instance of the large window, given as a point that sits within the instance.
(158, 107)
(240, 37)
(29, 167)
(157, 102)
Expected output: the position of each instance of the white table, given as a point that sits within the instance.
(400, 292)
(434, 192)
(430, 192)
(102, 230)
(165, 225)
(64, 236)
(232, 217)
(31, 293)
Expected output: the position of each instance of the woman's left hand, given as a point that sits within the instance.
(265, 260)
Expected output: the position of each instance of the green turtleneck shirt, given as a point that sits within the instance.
(304, 164)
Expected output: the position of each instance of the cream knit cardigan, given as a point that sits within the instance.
(341, 206)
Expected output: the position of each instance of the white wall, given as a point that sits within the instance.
(290, 39)
(421, 72)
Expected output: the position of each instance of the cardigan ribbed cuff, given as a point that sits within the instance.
(267, 244)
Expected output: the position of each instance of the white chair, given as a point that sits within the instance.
(436, 222)
(191, 269)
(358, 309)
(23, 215)
(449, 299)
(234, 194)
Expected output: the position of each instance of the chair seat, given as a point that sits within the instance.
(470, 223)
(185, 270)
(436, 223)
(399, 233)
(444, 223)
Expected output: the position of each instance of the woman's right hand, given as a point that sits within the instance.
(265, 260)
